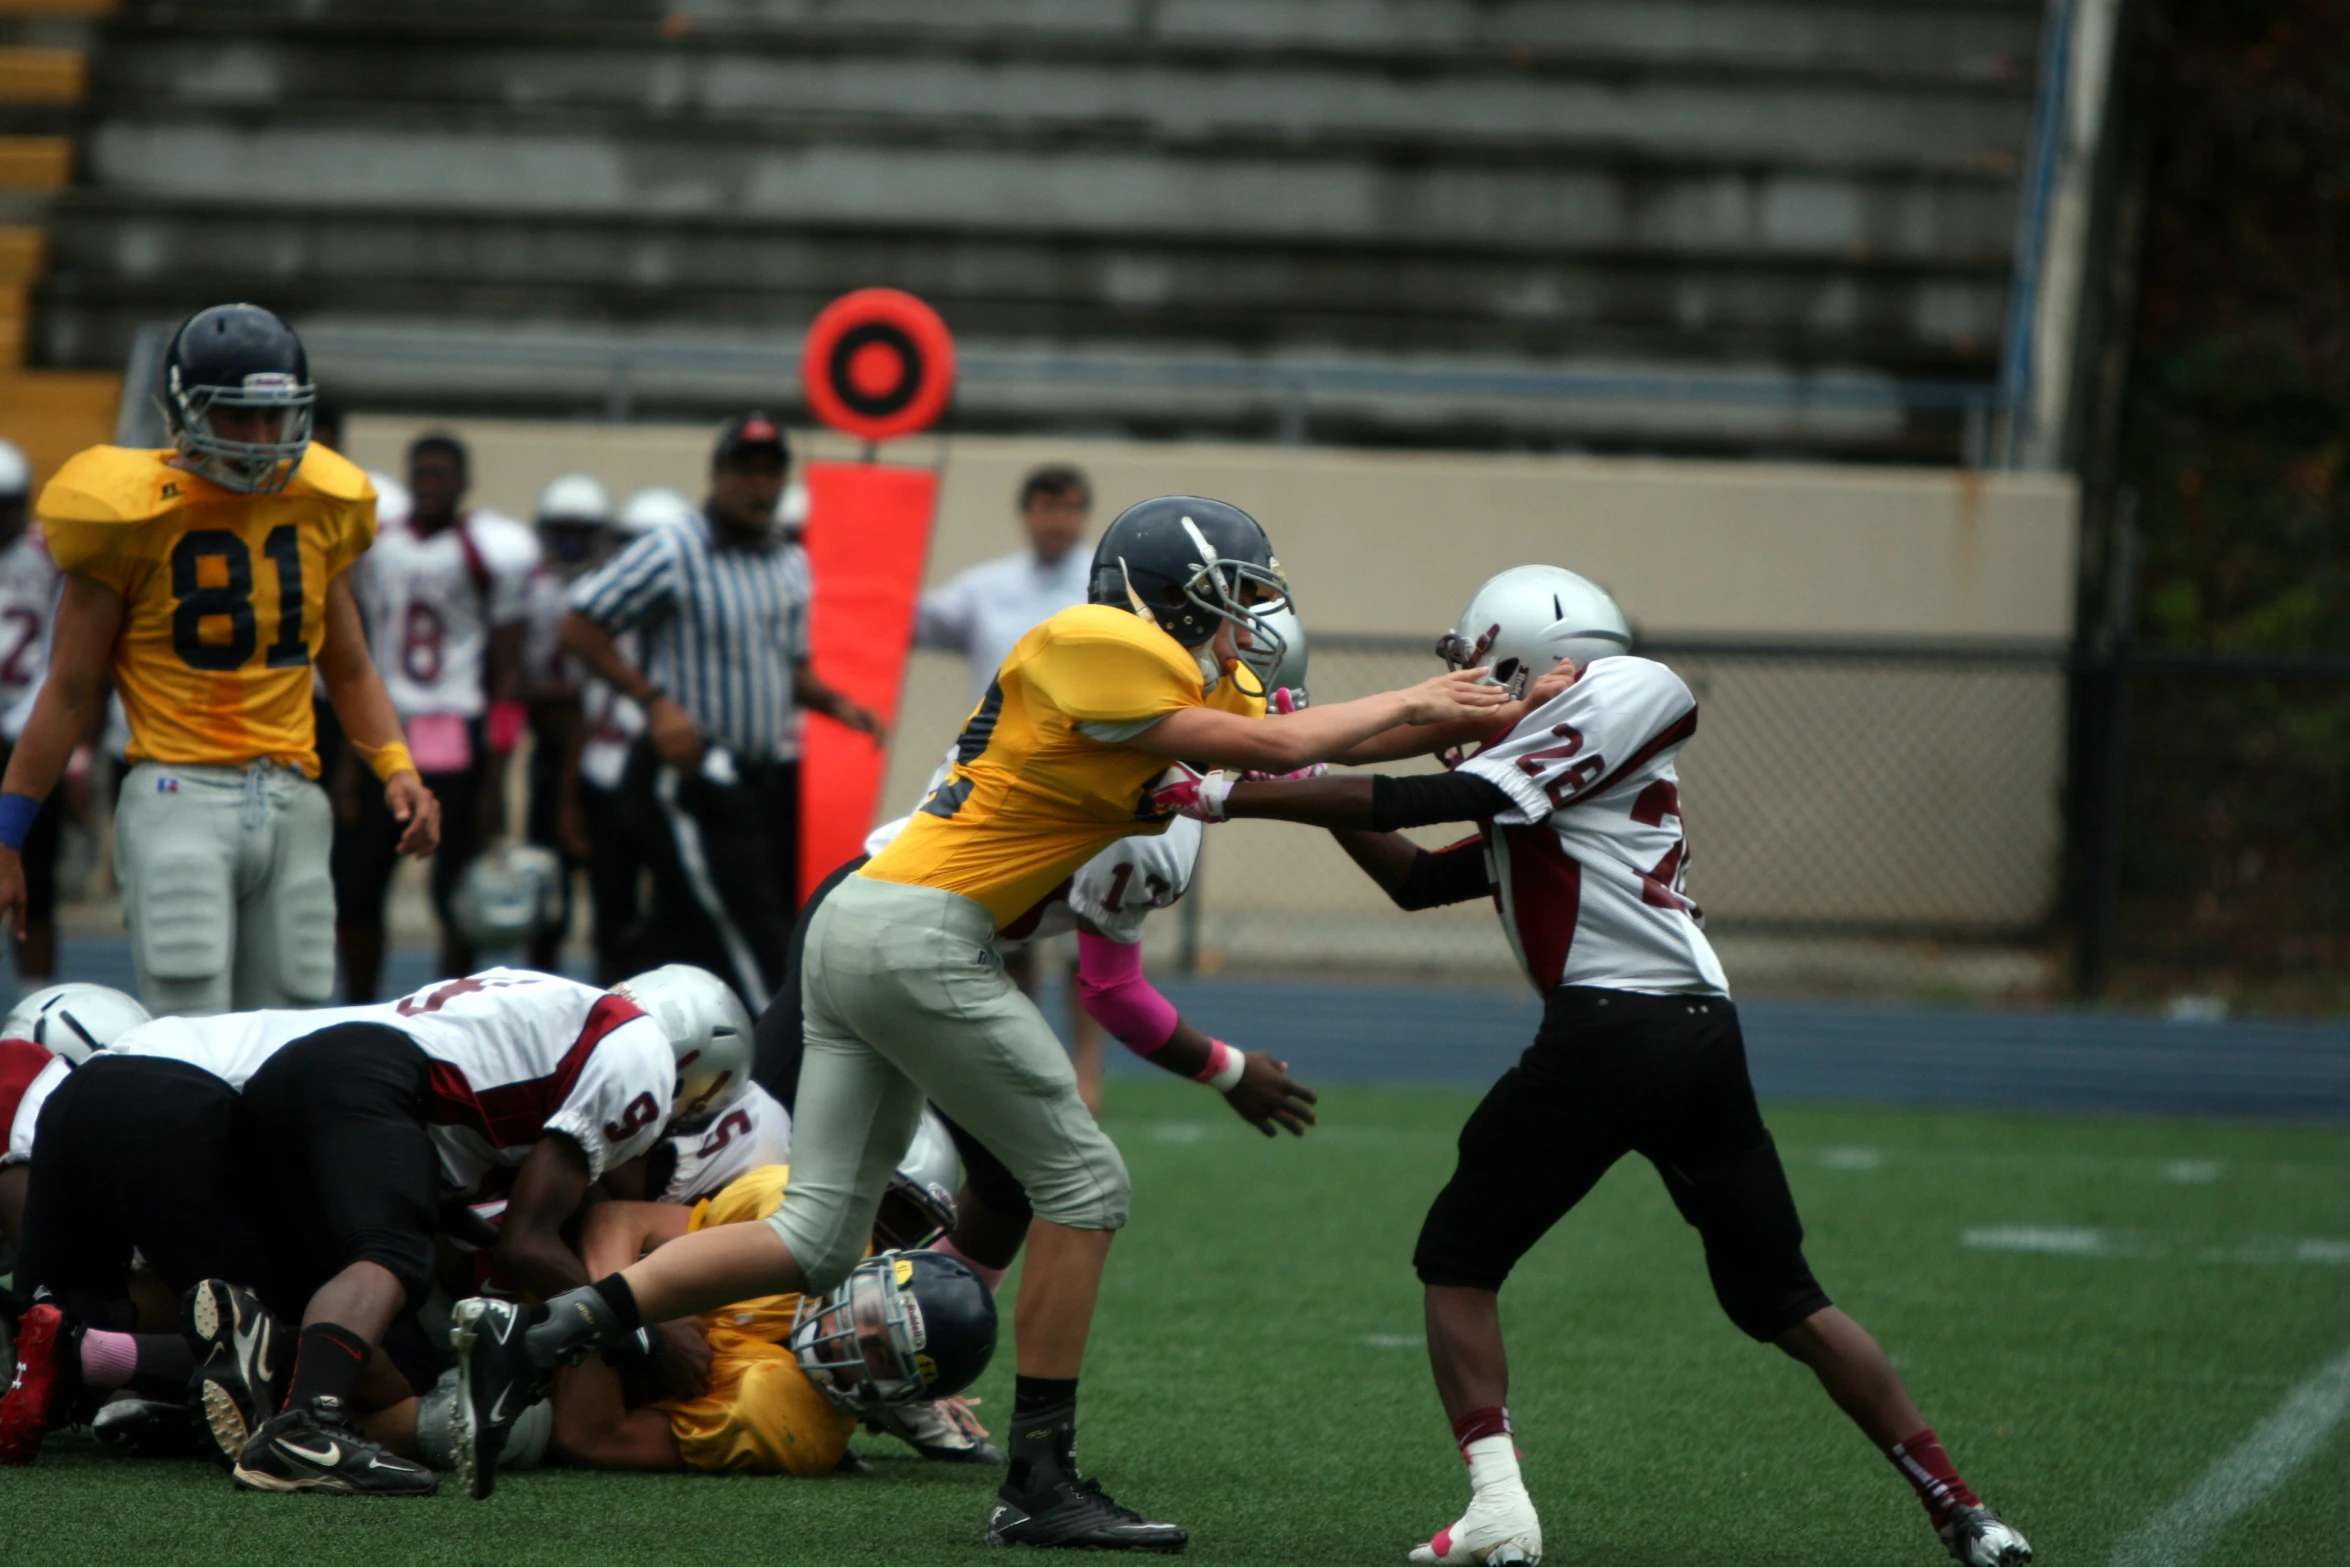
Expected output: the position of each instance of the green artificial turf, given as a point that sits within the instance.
(1256, 1370)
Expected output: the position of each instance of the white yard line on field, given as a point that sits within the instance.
(2287, 1439)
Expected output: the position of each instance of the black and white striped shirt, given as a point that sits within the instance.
(723, 625)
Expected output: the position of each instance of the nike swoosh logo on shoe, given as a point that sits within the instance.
(326, 1460)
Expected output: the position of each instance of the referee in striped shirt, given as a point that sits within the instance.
(712, 789)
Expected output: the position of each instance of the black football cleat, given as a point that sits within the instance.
(229, 1326)
(226, 1415)
(1074, 1513)
(496, 1382)
(147, 1428)
(317, 1449)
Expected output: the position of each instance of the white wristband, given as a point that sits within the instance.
(1231, 1065)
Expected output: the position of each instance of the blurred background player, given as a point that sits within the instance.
(207, 580)
(575, 528)
(446, 592)
(980, 612)
(28, 603)
(713, 786)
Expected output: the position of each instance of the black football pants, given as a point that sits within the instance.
(1613, 1072)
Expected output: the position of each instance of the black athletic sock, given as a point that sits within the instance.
(166, 1361)
(327, 1363)
(622, 1300)
(1044, 1432)
(579, 1322)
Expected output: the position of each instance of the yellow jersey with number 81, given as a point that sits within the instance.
(1041, 781)
(225, 595)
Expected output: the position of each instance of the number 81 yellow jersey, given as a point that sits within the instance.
(225, 595)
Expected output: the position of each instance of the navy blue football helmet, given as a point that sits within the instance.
(1187, 565)
(904, 1327)
(238, 357)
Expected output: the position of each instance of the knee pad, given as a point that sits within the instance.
(183, 916)
(301, 928)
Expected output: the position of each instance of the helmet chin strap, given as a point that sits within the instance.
(1140, 608)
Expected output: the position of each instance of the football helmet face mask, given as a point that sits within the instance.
(709, 1030)
(904, 1327)
(1290, 673)
(1190, 566)
(919, 1204)
(508, 897)
(238, 359)
(74, 1020)
(1522, 622)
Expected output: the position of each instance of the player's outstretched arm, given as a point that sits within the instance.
(1111, 986)
(1409, 740)
(365, 708)
(1284, 742)
(89, 616)
(1374, 803)
(1415, 878)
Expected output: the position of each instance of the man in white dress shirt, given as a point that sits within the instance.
(980, 613)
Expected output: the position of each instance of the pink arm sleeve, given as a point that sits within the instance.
(1110, 983)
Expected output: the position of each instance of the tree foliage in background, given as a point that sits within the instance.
(2235, 434)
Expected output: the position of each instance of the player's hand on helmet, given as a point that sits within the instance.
(1551, 682)
(1463, 693)
(417, 810)
(12, 891)
(674, 735)
(1268, 1098)
(1183, 790)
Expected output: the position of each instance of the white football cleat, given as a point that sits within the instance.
(1499, 1530)
(1979, 1537)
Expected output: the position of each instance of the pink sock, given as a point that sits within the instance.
(993, 1278)
(108, 1359)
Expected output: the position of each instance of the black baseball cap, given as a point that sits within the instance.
(749, 432)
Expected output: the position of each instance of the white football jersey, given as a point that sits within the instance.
(1111, 894)
(755, 1130)
(1590, 863)
(29, 582)
(547, 671)
(432, 602)
(516, 1055)
(28, 1110)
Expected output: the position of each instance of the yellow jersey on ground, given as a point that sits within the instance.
(760, 1414)
(1031, 795)
(226, 595)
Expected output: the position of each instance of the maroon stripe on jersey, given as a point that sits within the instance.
(512, 1114)
(1025, 926)
(1673, 733)
(1546, 898)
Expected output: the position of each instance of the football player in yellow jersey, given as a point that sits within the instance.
(905, 995)
(204, 582)
(771, 1406)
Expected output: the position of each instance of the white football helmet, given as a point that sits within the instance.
(709, 1029)
(509, 896)
(577, 499)
(74, 1020)
(1524, 621)
(1291, 671)
(16, 475)
(650, 510)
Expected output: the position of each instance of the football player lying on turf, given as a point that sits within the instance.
(47, 1035)
(907, 1000)
(1581, 841)
(776, 1403)
(352, 1119)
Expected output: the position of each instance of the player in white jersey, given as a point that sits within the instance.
(1581, 842)
(575, 536)
(29, 582)
(355, 1120)
(446, 593)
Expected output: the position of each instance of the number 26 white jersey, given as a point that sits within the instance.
(1590, 862)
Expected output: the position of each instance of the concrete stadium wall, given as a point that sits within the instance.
(1392, 543)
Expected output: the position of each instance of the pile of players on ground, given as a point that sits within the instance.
(230, 1238)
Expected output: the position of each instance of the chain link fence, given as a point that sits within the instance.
(1881, 818)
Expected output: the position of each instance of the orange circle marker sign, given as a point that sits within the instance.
(878, 363)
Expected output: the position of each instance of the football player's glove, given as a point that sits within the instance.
(1521, 623)
(1183, 790)
(904, 1326)
(238, 357)
(1187, 565)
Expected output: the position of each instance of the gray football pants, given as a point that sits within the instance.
(226, 887)
(905, 998)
